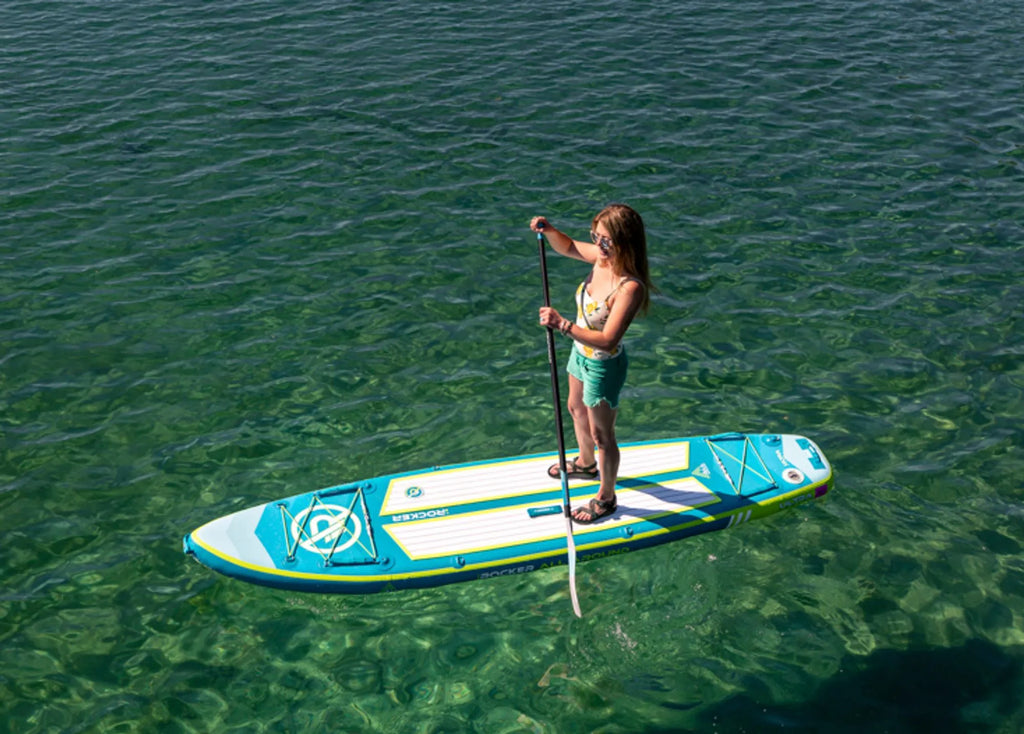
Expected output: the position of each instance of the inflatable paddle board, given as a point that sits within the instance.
(494, 518)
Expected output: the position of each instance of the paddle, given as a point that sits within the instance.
(558, 427)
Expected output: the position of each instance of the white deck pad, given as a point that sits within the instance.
(516, 477)
(489, 529)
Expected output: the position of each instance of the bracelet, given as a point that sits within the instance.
(565, 327)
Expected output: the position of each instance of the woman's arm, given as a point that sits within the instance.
(624, 308)
(562, 243)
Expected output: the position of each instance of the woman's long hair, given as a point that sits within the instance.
(629, 256)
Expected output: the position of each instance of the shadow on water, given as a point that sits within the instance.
(974, 688)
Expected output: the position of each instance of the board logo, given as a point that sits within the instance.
(413, 492)
(702, 471)
(328, 526)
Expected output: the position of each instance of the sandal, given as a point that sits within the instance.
(597, 509)
(573, 470)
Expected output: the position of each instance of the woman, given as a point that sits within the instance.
(617, 288)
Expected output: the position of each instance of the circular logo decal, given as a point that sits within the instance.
(793, 475)
(413, 492)
(323, 528)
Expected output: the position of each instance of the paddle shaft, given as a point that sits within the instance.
(555, 392)
(556, 397)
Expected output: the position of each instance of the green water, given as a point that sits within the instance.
(252, 249)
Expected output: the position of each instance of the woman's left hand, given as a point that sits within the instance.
(550, 318)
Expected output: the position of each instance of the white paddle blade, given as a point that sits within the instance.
(572, 566)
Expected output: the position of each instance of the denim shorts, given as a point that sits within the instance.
(602, 378)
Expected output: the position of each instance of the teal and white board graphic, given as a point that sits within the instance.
(493, 518)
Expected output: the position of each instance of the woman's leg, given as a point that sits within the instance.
(602, 430)
(581, 422)
(602, 426)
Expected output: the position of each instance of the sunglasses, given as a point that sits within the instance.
(602, 241)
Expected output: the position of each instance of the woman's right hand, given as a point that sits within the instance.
(539, 224)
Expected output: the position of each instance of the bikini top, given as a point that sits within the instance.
(592, 314)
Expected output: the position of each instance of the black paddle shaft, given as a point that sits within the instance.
(570, 543)
(555, 393)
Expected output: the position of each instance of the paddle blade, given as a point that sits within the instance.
(572, 566)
